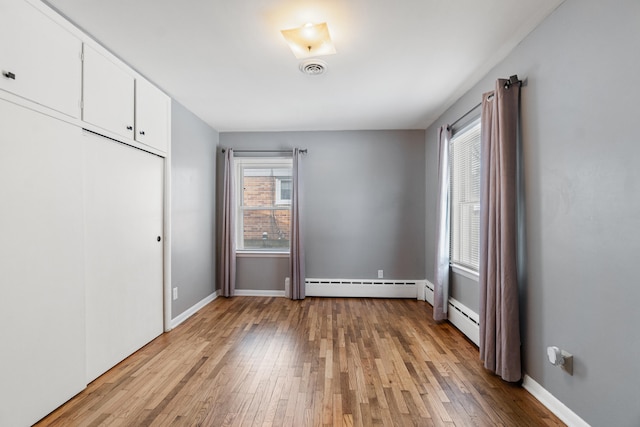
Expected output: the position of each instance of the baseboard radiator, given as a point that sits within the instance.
(461, 316)
(363, 288)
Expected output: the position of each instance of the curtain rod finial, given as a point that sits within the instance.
(512, 81)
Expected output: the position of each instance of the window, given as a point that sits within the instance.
(283, 191)
(464, 188)
(263, 198)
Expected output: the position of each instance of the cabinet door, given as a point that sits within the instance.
(107, 94)
(42, 308)
(152, 116)
(124, 259)
(40, 57)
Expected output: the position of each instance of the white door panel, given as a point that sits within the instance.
(107, 94)
(152, 116)
(124, 259)
(43, 58)
(42, 303)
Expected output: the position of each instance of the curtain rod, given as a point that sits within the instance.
(512, 81)
(464, 115)
(303, 151)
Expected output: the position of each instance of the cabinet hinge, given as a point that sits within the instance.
(82, 56)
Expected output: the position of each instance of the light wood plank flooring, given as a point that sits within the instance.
(256, 361)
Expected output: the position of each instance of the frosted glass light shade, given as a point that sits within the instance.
(309, 40)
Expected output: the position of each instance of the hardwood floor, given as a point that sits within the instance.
(257, 361)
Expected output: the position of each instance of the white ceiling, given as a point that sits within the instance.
(399, 64)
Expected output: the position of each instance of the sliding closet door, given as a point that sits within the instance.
(42, 335)
(124, 251)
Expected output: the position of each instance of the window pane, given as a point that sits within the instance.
(264, 198)
(259, 191)
(465, 197)
(285, 189)
(266, 228)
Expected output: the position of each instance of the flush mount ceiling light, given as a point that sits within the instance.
(309, 40)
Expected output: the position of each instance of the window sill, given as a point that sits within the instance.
(466, 272)
(261, 254)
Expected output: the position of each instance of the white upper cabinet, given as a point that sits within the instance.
(39, 60)
(110, 96)
(108, 92)
(152, 116)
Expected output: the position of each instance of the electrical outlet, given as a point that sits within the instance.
(175, 293)
(380, 274)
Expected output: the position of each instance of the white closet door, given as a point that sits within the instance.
(42, 302)
(124, 259)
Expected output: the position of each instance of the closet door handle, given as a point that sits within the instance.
(159, 238)
(9, 75)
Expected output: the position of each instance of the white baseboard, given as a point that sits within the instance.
(465, 319)
(459, 317)
(352, 288)
(552, 403)
(192, 310)
(258, 293)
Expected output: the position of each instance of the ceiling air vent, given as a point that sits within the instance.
(313, 67)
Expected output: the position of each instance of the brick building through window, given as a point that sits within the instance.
(265, 210)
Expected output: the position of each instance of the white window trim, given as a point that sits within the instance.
(468, 271)
(252, 253)
(239, 163)
(465, 271)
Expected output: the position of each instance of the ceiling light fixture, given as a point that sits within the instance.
(309, 40)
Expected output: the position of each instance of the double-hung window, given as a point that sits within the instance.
(283, 190)
(464, 196)
(263, 199)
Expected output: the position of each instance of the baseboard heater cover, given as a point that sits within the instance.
(463, 318)
(460, 316)
(362, 288)
(428, 292)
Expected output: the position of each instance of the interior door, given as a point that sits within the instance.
(124, 251)
(42, 302)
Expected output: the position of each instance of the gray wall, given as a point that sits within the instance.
(259, 273)
(582, 182)
(364, 202)
(193, 174)
(465, 290)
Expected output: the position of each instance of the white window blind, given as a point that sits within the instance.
(465, 196)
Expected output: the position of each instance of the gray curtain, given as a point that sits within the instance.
(297, 271)
(499, 307)
(441, 285)
(228, 250)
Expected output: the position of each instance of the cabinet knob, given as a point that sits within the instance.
(129, 127)
(141, 132)
(9, 75)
